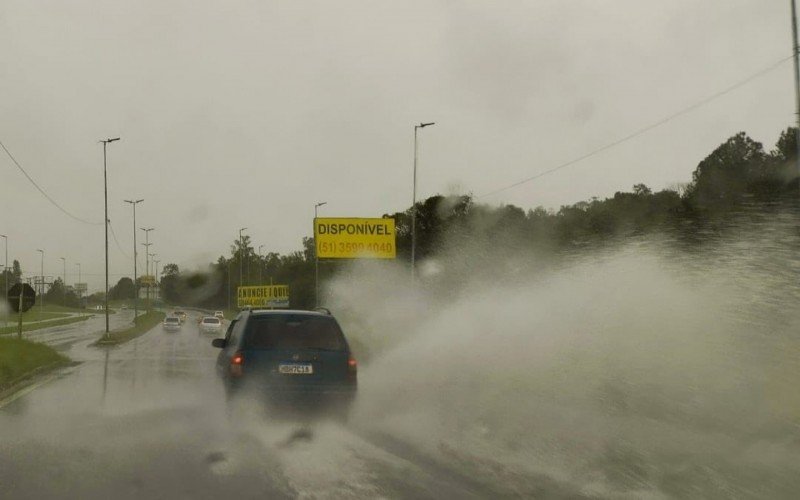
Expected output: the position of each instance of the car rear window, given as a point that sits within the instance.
(212, 321)
(172, 320)
(293, 331)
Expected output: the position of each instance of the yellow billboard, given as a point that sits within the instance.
(262, 296)
(353, 238)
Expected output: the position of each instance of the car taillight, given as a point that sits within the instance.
(352, 365)
(236, 365)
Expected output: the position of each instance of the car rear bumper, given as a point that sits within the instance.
(297, 394)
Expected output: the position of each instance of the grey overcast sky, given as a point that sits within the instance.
(246, 113)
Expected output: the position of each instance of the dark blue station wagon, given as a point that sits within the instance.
(288, 356)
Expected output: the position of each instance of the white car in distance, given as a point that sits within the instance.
(172, 324)
(210, 324)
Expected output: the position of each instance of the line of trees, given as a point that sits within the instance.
(737, 170)
(11, 276)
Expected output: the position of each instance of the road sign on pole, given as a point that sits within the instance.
(21, 297)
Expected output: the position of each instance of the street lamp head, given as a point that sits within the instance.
(321, 203)
(112, 140)
(39, 250)
(423, 125)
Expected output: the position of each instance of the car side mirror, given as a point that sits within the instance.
(218, 343)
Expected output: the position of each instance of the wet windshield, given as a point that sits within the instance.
(293, 332)
(476, 249)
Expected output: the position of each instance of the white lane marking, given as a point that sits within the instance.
(28, 389)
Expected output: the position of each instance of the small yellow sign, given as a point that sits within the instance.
(349, 238)
(147, 279)
(263, 296)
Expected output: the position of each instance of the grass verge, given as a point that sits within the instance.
(21, 359)
(144, 324)
(35, 315)
(26, 327)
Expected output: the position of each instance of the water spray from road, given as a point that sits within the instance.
(616, 374)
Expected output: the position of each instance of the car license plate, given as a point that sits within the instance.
(296, 369)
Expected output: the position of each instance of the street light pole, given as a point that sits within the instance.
(316, 256)
(152, 255)
(105, 197)
(146, 245)
(158, 286)
(241, 255)
(77, 291)
(41, 290)
(414, 203)
(260, 266)
(64, 283)
(135, 258)
(6, 274)
(796, 51)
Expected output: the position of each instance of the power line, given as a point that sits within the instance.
(51, 200)
(114, 235)
(646, 129)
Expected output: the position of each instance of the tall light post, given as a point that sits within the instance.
(105, 197)
(316, 256)
(241, 256)
(133, 204)
(151, 299)
(64, 283)
(78, 291)
(146, 245)
(260, 266)
(796, 51)
(6, 274)
(158, 287)
(41, 290)
(414, 203)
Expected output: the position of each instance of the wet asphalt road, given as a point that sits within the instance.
(148, 420)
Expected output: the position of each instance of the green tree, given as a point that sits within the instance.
(123, 290)
(170, 284)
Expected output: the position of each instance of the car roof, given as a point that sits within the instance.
(268, 312)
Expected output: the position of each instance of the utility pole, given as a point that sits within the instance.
(241, 255)
(105, 219)
(151, 299)
(260, 266)
(6, 274)
(158, 285)
(64, 283)
(135, 258)
(414, 203)
(316, 256)
(41, 290)
(146, 245)
(796, 51)
(77, 291)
